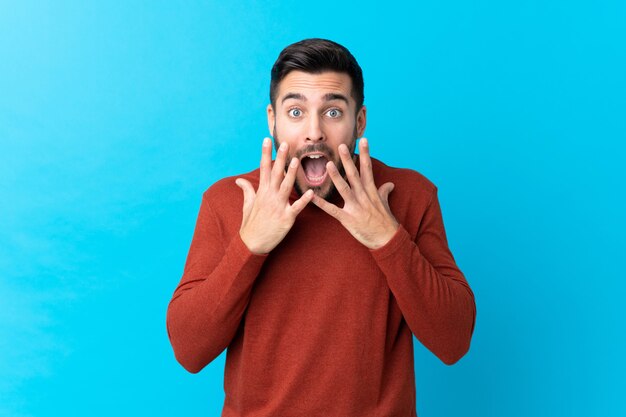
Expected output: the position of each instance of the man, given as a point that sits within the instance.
(316, 271)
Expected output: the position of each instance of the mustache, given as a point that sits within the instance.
(316, 147)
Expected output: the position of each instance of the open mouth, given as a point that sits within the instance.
(314, 167)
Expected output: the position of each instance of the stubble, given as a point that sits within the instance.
(322, 147)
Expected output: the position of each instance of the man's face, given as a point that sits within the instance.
(314, 114)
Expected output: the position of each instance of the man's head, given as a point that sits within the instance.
(315, 56)
(316, 95)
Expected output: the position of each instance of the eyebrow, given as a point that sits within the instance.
(327, 97)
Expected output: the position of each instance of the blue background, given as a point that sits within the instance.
(115, 117)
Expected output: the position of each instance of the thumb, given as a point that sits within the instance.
(385, 190)
(248, 194)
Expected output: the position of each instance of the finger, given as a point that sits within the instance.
(302, 202)
(329, 208)
(350, 168)
(266, 162)
(290, 178)
(248, 194)
(384, 191)
(365, 164)
(340, 184)
(278, 171)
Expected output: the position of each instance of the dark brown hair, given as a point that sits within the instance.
(315, 56)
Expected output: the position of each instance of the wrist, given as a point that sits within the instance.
(252, 246)
(386, 237)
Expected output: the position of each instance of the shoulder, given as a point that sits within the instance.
(412, 194)
(405, 180)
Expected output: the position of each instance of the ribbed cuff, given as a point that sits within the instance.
(400, 238)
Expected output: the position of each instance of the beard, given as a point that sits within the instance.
(322, 147)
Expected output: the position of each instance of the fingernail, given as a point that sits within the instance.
(293, 163)
(364, 142)
(343, 148)
(266, 142)
(283, 146)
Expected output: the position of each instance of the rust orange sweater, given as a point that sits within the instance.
(322, 326)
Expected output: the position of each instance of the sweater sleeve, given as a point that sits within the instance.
(432, 293)
(208, 304)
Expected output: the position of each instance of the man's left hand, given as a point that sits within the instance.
(366, 213)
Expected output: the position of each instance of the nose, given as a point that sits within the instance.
(314, 132)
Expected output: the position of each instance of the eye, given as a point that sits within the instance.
(334, 113)
(295, 112)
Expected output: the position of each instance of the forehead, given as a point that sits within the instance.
(314, 86)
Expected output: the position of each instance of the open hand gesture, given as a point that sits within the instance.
(267, 214)
(366, 213)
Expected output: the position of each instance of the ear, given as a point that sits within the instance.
(271, 119)
(361, 121)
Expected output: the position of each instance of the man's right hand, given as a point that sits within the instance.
(267, 214)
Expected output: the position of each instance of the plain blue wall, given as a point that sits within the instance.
(116, 116)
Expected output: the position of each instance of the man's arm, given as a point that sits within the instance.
(209, 303)
(432, 293)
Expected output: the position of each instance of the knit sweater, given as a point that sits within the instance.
(322, 325)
